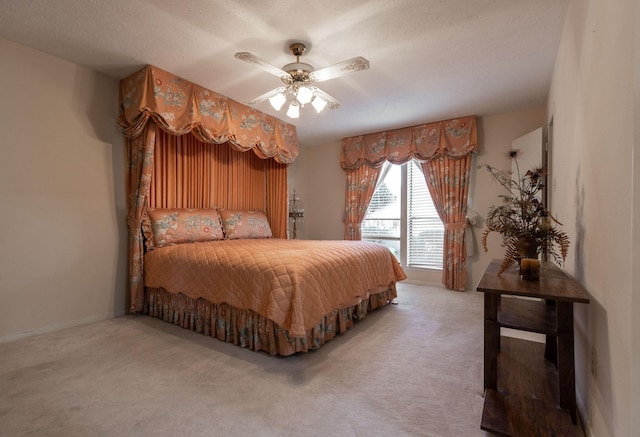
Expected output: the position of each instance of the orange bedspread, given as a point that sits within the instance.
(292, 282)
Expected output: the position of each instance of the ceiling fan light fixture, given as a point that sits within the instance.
(318, 104)
(294, 110)
(277, 101)
(299, 79)
(304, 95)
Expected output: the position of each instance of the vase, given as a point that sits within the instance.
(527, 247)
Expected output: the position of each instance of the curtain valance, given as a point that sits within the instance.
(179, 106)
(452, 138)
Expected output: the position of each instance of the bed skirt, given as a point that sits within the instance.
(245, 328)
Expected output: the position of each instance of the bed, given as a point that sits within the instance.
(220, 272)
(207, 213)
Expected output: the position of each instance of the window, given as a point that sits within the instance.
(402, 217)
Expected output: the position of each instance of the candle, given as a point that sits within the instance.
(530, 269)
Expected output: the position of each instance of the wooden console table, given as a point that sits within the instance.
(529, 387)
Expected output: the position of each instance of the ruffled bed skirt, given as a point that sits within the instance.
(245, 328)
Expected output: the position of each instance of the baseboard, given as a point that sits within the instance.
(422, 282)
(583, 416)
(59, 326)
(418, 276)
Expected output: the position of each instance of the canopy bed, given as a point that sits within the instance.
(207, 218)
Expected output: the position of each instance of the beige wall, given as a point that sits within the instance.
(63, 242)
(318, 172)
(592, 104)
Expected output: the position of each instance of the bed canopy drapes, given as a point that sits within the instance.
(179, 107)
(153, 103)
(444, 149)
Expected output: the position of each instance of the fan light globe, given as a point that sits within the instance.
(304, 95)
(318, 104)
(294, 110)
(277, 101)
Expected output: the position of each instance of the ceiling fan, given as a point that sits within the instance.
(298, 78)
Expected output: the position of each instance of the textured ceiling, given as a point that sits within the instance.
(429, 59)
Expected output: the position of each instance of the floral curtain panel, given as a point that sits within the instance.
(444, 148)
(361, 184)
(138, 178)
(153, 102)
(448, 183)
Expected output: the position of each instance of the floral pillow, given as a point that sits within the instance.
(175, 226)
(244, 224)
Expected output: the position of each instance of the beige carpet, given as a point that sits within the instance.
(412, 369)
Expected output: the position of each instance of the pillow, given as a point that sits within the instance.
(244, 224)
(175, 226)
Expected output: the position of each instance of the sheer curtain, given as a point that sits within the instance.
(445, 149)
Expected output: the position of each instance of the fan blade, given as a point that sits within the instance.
(331, 102)
(253, 59)
(340, 69)
(267, 95)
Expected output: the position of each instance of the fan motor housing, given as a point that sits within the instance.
(299, 72)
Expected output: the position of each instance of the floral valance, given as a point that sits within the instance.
(452, 138)
(179, 107)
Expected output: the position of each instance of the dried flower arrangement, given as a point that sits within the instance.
(526, 226)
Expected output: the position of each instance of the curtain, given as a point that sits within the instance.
(448, 183)
(138, 177)
(361, 184)
(160, 112)
(277, 199)
(440, 146)
(179, 107)
(453, 138)
(188, 173)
